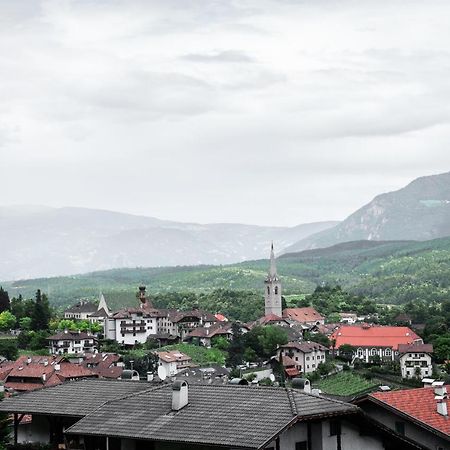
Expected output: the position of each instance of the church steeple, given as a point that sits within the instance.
(272, 293)
(273, 267)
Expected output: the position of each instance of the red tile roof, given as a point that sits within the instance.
(270, 318)
(292, 372)
(302, 315)
(306, 346)
(419, 404)
(373, 336)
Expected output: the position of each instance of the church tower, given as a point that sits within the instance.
(272, 292)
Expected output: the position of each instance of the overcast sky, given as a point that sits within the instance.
(259, 111)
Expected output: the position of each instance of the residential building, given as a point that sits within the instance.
(306, 355)
(73, 342)
(420, 415)
(205, 335)
(130, 326)
(105, 365)
(306, 316)
(29, 373)
(374, 341)
(173, 361)
(349, 318)
(105, 414)
(272, 289)
(272, 319)
(415, 360)
(80, 311)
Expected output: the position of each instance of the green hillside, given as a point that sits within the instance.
(389, 272)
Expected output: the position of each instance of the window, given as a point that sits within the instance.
(400, 428)
(335, 428)
(373, 352)
(301, 445)
(268, 289)
(388, 352)
(360, 352)
(276, 290)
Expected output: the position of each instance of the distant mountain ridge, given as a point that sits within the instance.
(41, 241)
(420, 211)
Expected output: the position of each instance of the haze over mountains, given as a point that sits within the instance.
(420, 211)
(41, 242)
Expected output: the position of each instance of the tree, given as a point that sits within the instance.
(346, 352)
(235, 350)
(4, 300)
(8, 349)
(25, 323)
(7, 320)
(41, 314)
(271, 338)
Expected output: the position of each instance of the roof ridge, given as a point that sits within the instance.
(292, 402)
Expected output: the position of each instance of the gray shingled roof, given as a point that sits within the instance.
(235, 416)
(82, 307)
(73, 398)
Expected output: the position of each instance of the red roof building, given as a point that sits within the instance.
(306, 316)
(374, 340)
(29, 373)
(418, 414)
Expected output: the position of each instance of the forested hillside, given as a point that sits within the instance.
(388, 272)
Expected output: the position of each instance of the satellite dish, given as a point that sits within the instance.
(162, 373)
(272, 377)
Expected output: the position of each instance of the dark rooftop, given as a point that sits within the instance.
(236, 416)
(73, 398)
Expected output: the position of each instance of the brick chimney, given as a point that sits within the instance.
(179, 395)
(440, 392)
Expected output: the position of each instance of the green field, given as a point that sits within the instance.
(344, 384)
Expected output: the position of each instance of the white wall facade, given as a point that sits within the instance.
(410, 362)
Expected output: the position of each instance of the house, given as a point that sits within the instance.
(272, 319)
(420, 415)
(306, 316)
(371, 341)
(415, 360)
(73, 342)
(80, 311)
(29, 373)
(306, 355)
(105, 365)
(130, 326)
(104, 414)
(349, 318)
(205, 335)
(289, 365)
(173, 361)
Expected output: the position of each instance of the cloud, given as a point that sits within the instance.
(227, 56)
(256, 110)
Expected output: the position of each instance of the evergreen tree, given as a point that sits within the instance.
(4, 300)
(41, 313)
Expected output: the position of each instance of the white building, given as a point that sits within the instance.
(80, 311)
(307, 355)
(72, 342)
(130, 326)
(415, 360)
(173, 361)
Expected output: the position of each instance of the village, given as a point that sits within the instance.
(372, 375)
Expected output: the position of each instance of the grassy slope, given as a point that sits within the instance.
(390, 272)
(344, 383)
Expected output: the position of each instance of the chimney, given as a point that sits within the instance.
(427, 382)
(29, 360)
(66, 331)
(45, 362)
(441, 405)
(57, 366)
(179, 395)
(149, 376)
(44, 377)
(439, 389)
(302, 384)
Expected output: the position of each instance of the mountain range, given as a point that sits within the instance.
(41, 241)
(420, 211)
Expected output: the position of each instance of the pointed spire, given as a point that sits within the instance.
(273, 267)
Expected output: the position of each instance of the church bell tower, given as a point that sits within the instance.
(272, 285)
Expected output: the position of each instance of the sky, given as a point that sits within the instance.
(270, 112)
